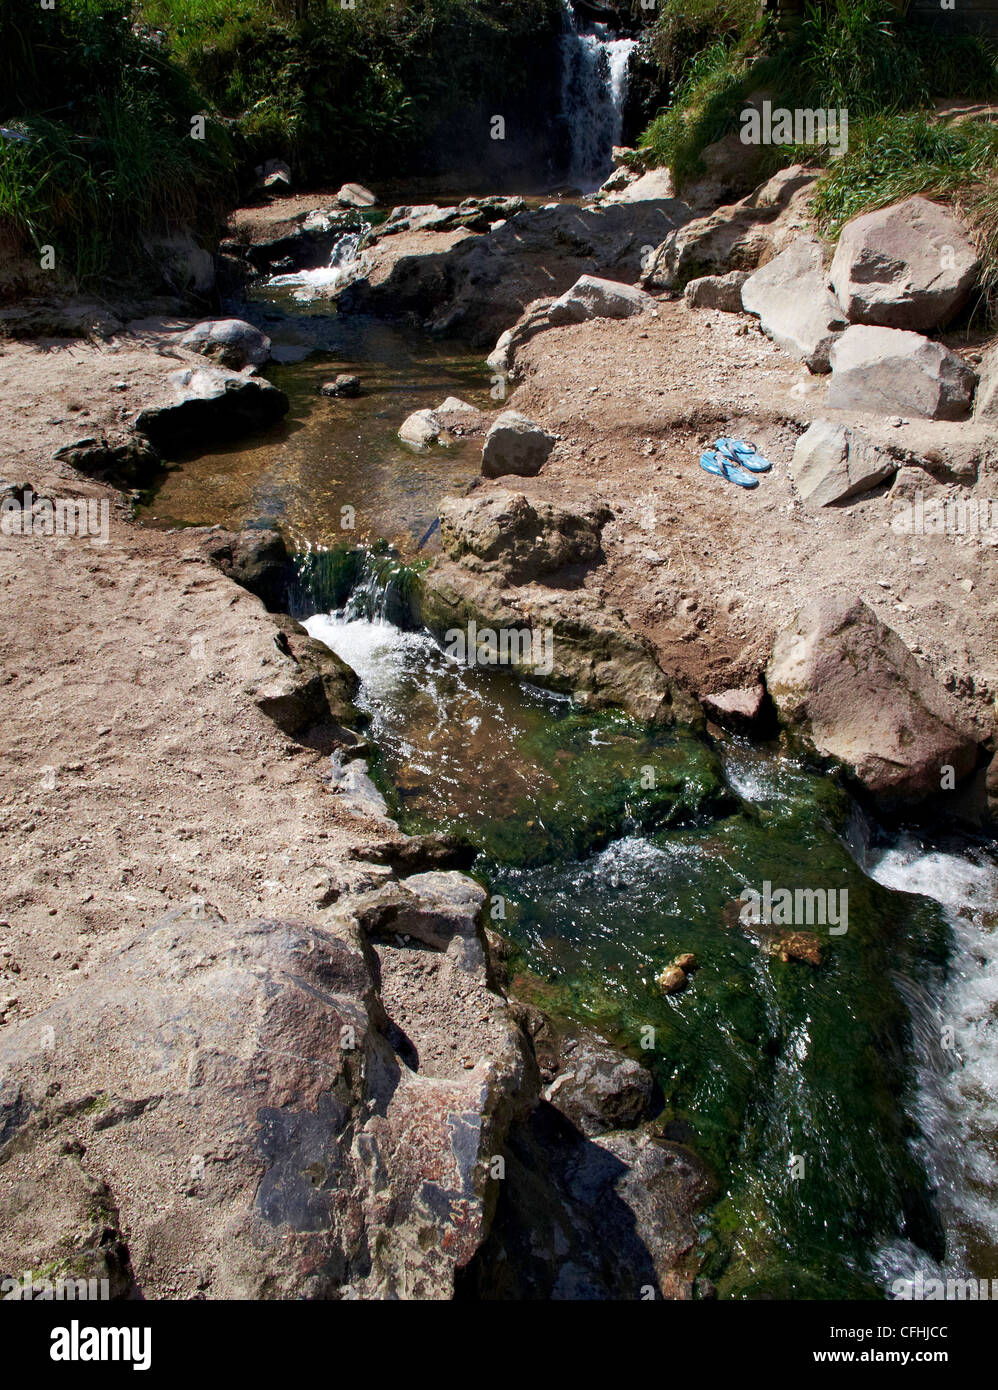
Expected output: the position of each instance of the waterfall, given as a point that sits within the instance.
(594, 72)
(325, 282)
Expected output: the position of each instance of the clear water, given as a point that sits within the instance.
(763, 1063)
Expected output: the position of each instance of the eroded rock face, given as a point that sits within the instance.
(502, 532)
(210, 403)
(909, 266)
(478, 286)
(832, 464)
(791, 299)
(986, 402)
(887, 371)
(991, 789)
(234, 1093)
(594, 656)
(850, 687)
(231, 342)
(515, 444)
(741, 236)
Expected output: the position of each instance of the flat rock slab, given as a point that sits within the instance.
(909, 266)
(888, 371)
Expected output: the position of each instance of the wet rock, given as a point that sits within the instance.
(417, 853)
(599, 1089)
(343, 385)
(594, 298)
(888, 371)
(421, 428)
(741, 236)
(672, 979)
(611, 1217)
(832, 464)
(798, 945)
(722, 292)
(210, 403)
(231, 342)
(740, 708)
(258, 560)
(909, 266)
(848, 686)
(793, 304)
(502, 532)
(594, 656)
(479, 285)
(515, 444)
(317, 689)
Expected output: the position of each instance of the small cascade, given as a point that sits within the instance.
(326, 281)
(594, 74)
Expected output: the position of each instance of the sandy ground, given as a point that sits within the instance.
(138, 774)
(707, 571)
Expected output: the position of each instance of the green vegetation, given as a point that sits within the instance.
(102, 93)
(105, 157)
(863, 55)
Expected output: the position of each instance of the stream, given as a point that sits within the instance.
(848, 1110)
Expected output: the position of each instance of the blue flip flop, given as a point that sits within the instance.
(744, 454)
(713, 462)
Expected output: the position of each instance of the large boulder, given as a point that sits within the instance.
(420, 428)
(740, 236)
(599, 1089)
(237, 1099)
(888, 371)
(847, 685)
(515, 444)
(210, 403)
(791, 299)
(502, 532)
(909, 266)
(594, 298)
(186, 267)
(832, 464)
(230, 342)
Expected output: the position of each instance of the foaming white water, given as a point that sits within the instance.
(594, 74)
(956, 1035)
(325, 281)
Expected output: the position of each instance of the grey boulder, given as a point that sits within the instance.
(515, 444)
(889, 371)
(790, 297)
(832, 463)
(908, 266)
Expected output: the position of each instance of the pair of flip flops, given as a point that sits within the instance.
(736, 460)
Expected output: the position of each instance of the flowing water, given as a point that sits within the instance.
(850, 1110)
(849, 1148)
(594, 72)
